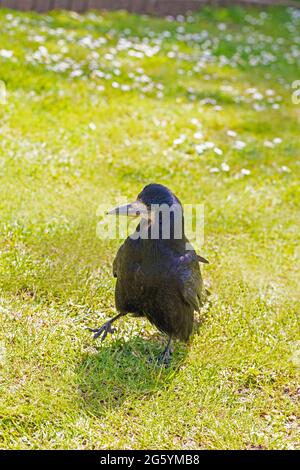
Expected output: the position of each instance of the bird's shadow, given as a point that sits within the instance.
(121, 370)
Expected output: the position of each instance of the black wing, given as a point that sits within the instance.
(127, 258)
(190, 280)
(118, 261)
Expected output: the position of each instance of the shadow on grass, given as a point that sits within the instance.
(122, 371)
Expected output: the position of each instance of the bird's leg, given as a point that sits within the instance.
(165, 356)
(106, 328)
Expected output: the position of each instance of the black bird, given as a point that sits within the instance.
(157, 270)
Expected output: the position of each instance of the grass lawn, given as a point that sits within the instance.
(98, 106)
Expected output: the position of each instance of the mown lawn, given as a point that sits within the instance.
(98, 106)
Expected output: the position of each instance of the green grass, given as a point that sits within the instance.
(70, 143)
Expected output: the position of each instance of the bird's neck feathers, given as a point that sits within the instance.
(158, 233)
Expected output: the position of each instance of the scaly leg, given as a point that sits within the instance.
(165, 356)
(106, 328)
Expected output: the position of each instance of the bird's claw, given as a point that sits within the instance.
(163, 359)
(103, 331)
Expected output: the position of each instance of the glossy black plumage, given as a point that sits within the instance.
(159, 279)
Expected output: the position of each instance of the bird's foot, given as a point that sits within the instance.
(164, 358)
(103, 331)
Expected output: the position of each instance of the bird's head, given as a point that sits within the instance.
(161, 214)
(150, 200)
(157, 195)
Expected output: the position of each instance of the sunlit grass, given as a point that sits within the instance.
(97, 107)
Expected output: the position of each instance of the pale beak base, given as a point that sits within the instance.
(135, 209)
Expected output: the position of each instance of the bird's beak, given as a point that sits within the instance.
(134, 209)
